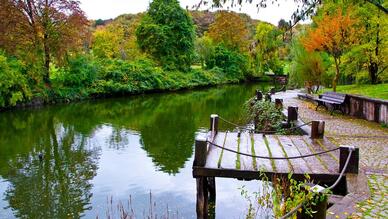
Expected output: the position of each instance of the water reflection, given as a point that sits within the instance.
(109, 147)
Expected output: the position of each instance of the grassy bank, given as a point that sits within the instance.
(379, 91)
(86, 78)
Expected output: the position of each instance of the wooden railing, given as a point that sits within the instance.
(367, 108)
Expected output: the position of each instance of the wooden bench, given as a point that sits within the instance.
(336, 100)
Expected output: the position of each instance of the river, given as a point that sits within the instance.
(82, 160)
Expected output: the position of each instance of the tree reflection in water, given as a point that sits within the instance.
(60, 185)
(56, 185)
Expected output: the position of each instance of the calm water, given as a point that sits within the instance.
(113, 149)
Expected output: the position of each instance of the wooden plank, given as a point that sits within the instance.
(282, 166)
(229, 158)
(245, 147)
(383, 114)
(313, 163)
(261, 150)
(298, 165)
(331, 164)
(214, 153)
(325, 144)
(321, 178)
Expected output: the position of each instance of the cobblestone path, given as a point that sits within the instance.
(370, 137)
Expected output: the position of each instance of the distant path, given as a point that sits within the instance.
(372, 140)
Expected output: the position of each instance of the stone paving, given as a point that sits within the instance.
(370, 137)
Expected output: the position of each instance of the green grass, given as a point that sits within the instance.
(379, 91)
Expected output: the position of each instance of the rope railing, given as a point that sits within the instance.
(294, 210)
(241, 127)
(270, 158)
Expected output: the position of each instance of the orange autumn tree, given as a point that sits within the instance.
(231, 30)
(334, 34)
(46, 30)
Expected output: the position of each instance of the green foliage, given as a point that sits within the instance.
(282, 195)
(204, 48)
(231, 62)
(266, 116)
(117, 39)
(80, 71)
(167, 33)
(13, 83)
(265, 52)
(308, 68)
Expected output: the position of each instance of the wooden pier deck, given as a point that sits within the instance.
(247, 156)
(221, 162)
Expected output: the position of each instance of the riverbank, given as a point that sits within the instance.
(115, 79)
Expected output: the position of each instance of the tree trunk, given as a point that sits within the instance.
(337, 72)
(373, 70)
(47, 60)
(374, 67)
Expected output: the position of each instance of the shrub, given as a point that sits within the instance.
(80, 71)
(13, 83)
(265, 115)
(232, 63)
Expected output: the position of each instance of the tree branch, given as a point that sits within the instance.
(378, 5)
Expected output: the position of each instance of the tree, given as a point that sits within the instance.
(265, 49)
(230, 30)
(307, 68)
(167, 33)
(204, 47)
(284, 26)
(373, 49)
(335, 34)
(50, 28)
(107, 42)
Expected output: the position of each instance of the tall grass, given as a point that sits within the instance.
(125, 210)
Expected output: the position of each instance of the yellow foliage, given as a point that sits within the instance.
(231, 30)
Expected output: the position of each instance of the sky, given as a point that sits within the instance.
(106, 9)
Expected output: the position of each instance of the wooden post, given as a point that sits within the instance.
(292, 114)
(202, 198)
(259, 95)
(202, 184)
(200, 151)
(354, 159)
(214, 124)
(317, 129)
(212, 197)
(279, 103)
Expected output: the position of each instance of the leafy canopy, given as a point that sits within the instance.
(266, 49)
(335, 34)
(167, 33)
(230, 30)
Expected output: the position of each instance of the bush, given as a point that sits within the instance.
(265, 115)
(80, 72)
(13, 83)
(231, 62)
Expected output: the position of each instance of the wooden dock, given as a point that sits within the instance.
(248, 155)
(220, 162)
